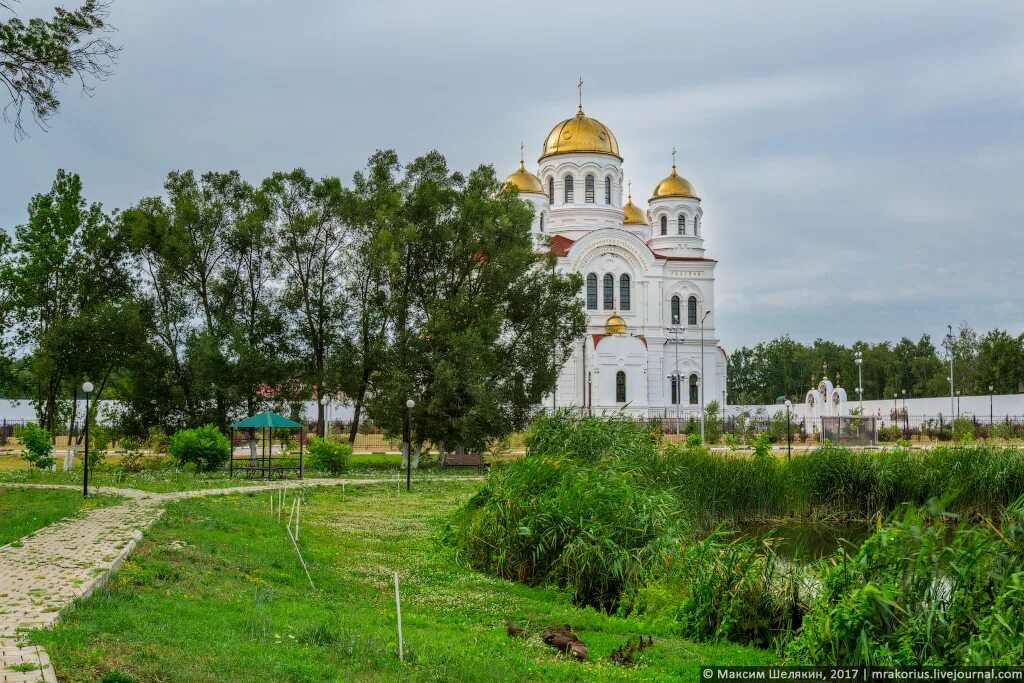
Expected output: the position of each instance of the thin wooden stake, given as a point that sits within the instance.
(299, 553)
(398, 611)
(298, 509)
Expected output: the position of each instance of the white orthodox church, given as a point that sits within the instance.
(649, 288)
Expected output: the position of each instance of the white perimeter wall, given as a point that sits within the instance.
(1002, 404)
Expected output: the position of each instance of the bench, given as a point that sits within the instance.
(465, 460)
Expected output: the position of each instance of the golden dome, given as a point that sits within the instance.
(615, 325)
(634, 214)
(580, 134)
(674, 185)
(524, 181)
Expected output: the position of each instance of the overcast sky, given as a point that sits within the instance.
(860, 163)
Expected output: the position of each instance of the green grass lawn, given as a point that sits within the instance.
(24, 510)
(216, 593)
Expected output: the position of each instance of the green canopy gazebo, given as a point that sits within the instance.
(261, 463)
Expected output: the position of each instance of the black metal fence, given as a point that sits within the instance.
(899, 424)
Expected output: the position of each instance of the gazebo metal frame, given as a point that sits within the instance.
(261, 465)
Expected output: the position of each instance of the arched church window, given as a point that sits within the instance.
(592, 292)
(675, 390)
(682, 224)
(568, 189)
(551, 190)
(620, 387)
(609, 291)
(607, 189)
(675, 311)
(623, 292)
(694, 399)
(588, 188)
(542, 222)
(664, 225)
(691, 311)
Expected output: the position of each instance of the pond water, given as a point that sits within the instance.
(810, 541)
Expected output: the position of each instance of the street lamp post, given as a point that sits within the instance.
(323, 427)
(700, 382)
(991, 413)
(906, 417)
(408, 443)
(590, 393)
(949, 347)
(675, 329)
(87, 388)
(858, 357)
(700, 388)
(789, 432)
(673, 378)
(723, 411)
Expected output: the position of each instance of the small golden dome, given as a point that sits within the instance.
(674, 185)
(524, 181)
(634, 214)
(615, 325)
(580, 134)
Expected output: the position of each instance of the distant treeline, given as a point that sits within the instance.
(783, 368)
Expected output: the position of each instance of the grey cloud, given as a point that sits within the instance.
(859, 162)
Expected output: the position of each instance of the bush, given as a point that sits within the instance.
(963, 429)
(712, 423)
(38, 446)
(205, 447)
(722, 587)
(132, 460)
(590, 529)
(330, 456)
(99, 442)
(588, 439)
(914, 595)
(157, 441)
(889, 433)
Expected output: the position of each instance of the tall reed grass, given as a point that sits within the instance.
(606, 511)
(915, 594)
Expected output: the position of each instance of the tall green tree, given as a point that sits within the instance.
(39, 55)
(252, 311)
(312, 238)
(68, 295)
(375, 218)
(1000, 363)
(184, 245)
(480, 324)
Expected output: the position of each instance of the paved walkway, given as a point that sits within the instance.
(72, 557)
